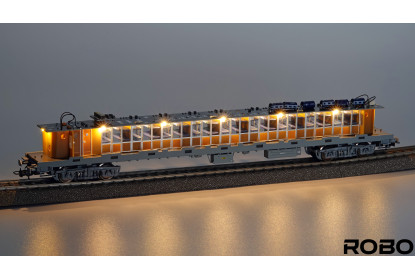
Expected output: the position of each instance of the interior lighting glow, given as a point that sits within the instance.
(280, 115)
(42, 129)
(102, 128)
(223, 119)
(163, 123)
(335, 111)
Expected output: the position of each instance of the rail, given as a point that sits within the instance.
(206, 170)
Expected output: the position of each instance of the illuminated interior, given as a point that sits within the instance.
(223, 130)
(237, 130)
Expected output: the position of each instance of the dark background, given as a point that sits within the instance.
(46, 69)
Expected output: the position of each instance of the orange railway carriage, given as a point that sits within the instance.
(89, 149)
(85, 142)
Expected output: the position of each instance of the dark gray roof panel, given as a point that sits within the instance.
(152, 119)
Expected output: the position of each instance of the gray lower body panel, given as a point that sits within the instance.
(272, 149)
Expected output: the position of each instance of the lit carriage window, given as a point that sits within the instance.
(347, 117)
(320, 120)
(338, 118)
(206, 128)
(291, 121)
(196, 129)
(328, 120)
(282, 119)
(301, 121)
(116, 135)
(177, 133)
(254, 124)
(273, 122)
(166, 131)
(263, 124)
(126, 134)
(225, 127)
(234, 126)
(146, 133)
(156, 131)
(355, 120)
(215, 127)
(136, 133)
(106, 136)
(186, 129)
(310, 120)
(244, 125)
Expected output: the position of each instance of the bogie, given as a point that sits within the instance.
(328, 153)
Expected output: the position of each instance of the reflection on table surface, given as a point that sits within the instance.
(302, 218)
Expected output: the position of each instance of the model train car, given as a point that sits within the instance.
(86, 150)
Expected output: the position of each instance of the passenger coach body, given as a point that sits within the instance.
(89, 149)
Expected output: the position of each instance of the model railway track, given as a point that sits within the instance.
(204, 170)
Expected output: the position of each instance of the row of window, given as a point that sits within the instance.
(228, 127)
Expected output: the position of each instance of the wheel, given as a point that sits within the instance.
(314, 155)
(331, 155)
(65, 177)
(106, 175)
(325, 158)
